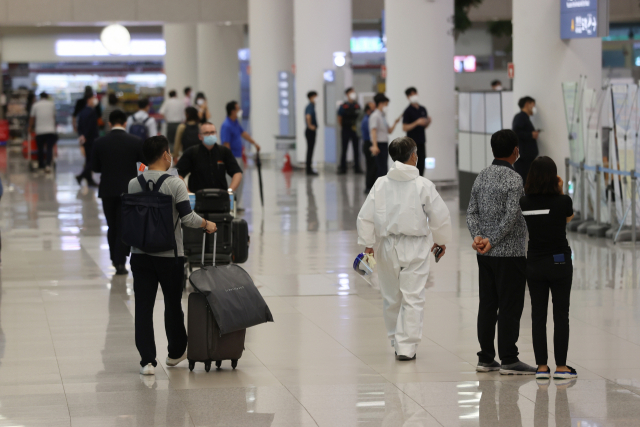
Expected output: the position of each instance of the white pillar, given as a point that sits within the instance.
(271, 44)
(218, 66)
(542, 62)
(321, 27)
(180, 61)
(427, 65)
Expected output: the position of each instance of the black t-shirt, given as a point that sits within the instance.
(208, 168)
(546, 217)
(349, 111)
(523, 127)
(411, 114)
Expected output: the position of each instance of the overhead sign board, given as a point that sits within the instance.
(584, 18)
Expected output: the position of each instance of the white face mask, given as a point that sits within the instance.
(498, 88)
(534, 111)
(353, 96)
(239, 114)
(200, 101)
(413, 99)
(385, 109)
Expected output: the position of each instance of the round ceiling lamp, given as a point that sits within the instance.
(115, 38)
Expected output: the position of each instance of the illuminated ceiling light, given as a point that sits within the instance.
(115, 39)
(339, 58)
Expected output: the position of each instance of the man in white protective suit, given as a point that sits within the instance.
(401, 219)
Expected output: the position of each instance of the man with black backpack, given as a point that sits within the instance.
(141, 124)
(152, 211)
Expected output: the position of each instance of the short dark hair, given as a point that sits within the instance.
(230, 107)
(410, 90)
(503, 143)
(113, 99)
(191, 114)
(117, 117)
(312, 93)
(187, 90)
(347, 90)
(200, 95)
(172, 93)
(44, 95)
(367, 107)
(143, 103)
(401, 149)
(542, 177)
(380, 98)
(496, 83)
(154, 147)
(524, 101)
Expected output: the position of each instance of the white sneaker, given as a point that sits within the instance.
(147, 370)
(173, 362)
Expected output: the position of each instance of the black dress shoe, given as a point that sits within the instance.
(121, 269)
(79, 180)
(359, 172)
(404, 358)
(312, 173)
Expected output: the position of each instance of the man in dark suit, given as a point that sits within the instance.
(115, 156)
(87, 134)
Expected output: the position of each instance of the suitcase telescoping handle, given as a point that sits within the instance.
(215, 244)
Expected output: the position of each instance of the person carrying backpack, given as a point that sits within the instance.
(151, 213)
(187, 134)
(141, 124)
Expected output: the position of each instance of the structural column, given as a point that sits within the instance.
(321, 27)
(180, 61)
(542, 62)
(271, 44)
(420, 51)
(218, 66)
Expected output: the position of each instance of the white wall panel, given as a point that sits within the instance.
(488, 157)
(464, 151)
(477, 113)
(464, 112)
(478, 150)
(493, 116)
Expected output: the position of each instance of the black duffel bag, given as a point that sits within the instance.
(212, 200)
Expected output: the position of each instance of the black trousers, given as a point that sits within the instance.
(544, 275)
(311, 143)
(147, 272)
(372, 166)
(422, 156)
(502, 284)
(382, 159)
(86, 171)
(522, 166)
(46, 142)
(349, 135)
(112, 207)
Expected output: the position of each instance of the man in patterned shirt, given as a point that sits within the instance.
(498, 230)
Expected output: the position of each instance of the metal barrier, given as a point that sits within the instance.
(581, 167)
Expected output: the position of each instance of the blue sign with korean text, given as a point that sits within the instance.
(582, 18)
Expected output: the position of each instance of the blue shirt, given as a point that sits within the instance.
(311, 110)
(231, 133)
(364, 127)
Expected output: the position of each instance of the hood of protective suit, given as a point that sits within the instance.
(401, 172)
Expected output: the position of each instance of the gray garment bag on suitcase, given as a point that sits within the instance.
(233, 298)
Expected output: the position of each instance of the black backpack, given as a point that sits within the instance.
(147, 218)
(190, 137)
(139, 129)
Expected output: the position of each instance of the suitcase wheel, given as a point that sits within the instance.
(234, 363)
(207, 366)
(218, 363)
(192, 365)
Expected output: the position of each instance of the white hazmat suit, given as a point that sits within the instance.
(401, 219)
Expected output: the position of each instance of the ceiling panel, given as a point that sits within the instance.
(224, 10)
(38, 11)
(167, 10)
(111, 10)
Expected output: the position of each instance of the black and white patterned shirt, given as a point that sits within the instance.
(494, 210)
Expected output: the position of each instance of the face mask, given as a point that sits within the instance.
(385, 109)
(200, 101)
(353, 96)
(534, 111)
(413, 99)
(239, 114)
(170, 162)
(498, 88)
(210, 140)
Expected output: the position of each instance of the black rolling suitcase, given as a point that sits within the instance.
(225, 303)
(212, 200)
(240, 243)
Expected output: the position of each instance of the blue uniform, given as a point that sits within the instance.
(231, 133)
(364, 128)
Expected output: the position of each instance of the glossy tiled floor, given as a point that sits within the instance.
(67, 354)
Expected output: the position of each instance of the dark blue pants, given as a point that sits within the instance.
(382, 159)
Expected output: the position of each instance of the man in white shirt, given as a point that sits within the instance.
(141, 124)
(173, 111)
(187, 97)
(43, 123)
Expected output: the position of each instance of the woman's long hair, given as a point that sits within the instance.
(542, 178)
